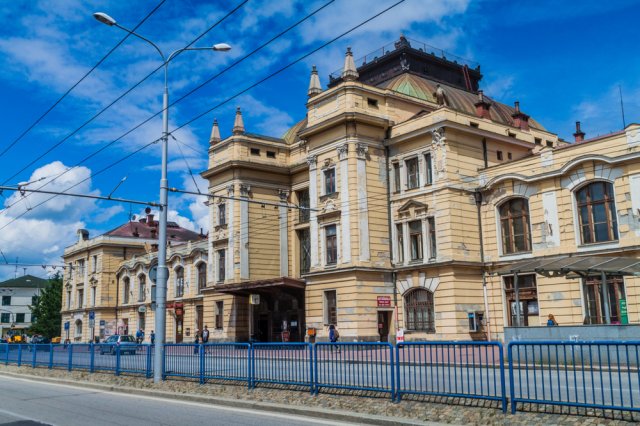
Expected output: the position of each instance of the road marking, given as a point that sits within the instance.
(21, 417)
(198, 404)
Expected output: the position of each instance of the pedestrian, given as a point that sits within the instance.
(551, 322)
(139, 336)
(205, 335)
(152, 336)
(334, 336)
(197, 342)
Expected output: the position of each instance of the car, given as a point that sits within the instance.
(127, 344)
(56, 340)
(39, 343)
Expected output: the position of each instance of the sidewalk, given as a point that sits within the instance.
(344, 407)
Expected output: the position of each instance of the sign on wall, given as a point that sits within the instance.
(624, 316)
(384, 301)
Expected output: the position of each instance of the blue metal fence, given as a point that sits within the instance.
(357, 366)
(226, 361)
(182, 360)
(282, 363)
(600, 375)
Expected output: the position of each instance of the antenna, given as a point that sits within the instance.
(622, 106)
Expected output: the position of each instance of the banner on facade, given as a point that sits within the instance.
(624, 316)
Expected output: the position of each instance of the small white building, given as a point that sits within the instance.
(16, 296)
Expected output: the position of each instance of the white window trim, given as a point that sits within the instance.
(218, 215)
(496, 208)
(424, 159)
(175, 281)
(323, 185)
(217, 265)
(323, 243)
(580, 246)
(405, 187)
(325, 306)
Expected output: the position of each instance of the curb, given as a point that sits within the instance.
(336, 415)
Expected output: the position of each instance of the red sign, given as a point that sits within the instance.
(384, 301)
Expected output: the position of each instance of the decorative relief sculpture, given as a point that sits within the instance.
(362, 150)
(439, 149)
(245, 190)
(312, 161)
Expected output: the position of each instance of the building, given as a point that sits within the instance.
(92, 294)
(18, 295)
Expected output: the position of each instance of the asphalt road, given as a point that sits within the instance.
(26, 402)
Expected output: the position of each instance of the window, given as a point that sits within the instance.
(420, 311)
(595, 300)
(70, 266)
(303, 201)
(255, 151)
(142, 288)
(509, 156)
(6, 300)
(93, 296)
(499, 155)
(5, 318)
(433, 251)
(126, 284)
(331, 240)
(399, 232)
(415, 239)
(69, 299)
(222, 214)
(597, 213)
(528, 296)
(550, 144)
(94, 264)
(428, 169)
(80, 298)
(330, 181)
(271, 154)
(219, 314)
(413, 178)
(34, 300)
(78, 334)
(474, 124)
(396, 177)
(179, 281)
(514, 225)
(141, 321)
(305, 250)
(330, 308)
(373, 103)
(222, 258)
(202, 276)
(80, 267)
(19, 318)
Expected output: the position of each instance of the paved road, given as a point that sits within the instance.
(27, 402)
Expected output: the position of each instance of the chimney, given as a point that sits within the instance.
(83, 235)
(579, 134)
(520, 119)
(149, 216)
(482, 106)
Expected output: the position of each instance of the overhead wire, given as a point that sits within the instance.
(64, 95)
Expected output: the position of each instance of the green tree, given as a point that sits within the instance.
(46, 309)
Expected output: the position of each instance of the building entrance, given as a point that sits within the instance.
(279, 317)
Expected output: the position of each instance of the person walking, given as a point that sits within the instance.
(205, 335)
(551, 322)
(334, 336)
(197, 342)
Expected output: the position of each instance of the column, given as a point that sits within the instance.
(313, 205)
(210, 254)
(284, 233)
(244, 232)
(363, 213)
(229, 267)
(345, 215)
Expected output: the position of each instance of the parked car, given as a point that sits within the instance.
(126, 343)
(39, 343)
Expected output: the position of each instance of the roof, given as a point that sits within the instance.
(258, 286)
(147, 228)
(461, 100)
(582, 265)
(26, 281)
(291, 135)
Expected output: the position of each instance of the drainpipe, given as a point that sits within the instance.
(394, 275)
(478, 197)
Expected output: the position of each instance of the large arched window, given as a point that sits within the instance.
(418, 306)
(514, 225)
(126, 284)
(179, 281)
(142, 288)
(597, 213)
(202, 276)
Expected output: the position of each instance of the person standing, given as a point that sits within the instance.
(152, 336)
(334, 335)
(139, 336)
(551, 322)
(197, 341)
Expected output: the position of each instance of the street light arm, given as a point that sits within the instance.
(155, 46)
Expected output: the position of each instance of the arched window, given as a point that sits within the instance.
(514, 224)
(597, 213)
(78, 334)
(179, 281)
(142, 288)
(126, 284)
(202, 276)
(419, 310)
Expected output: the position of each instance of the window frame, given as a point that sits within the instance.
(427, 323)
(410, 175)
(400, 242)
(222, 214)
(615, 285)
(5, 299)
(126, 286)
(142, 288)
(507, 223)
(179, 281)
(80, 295)
(5, 317)
(221, 259)
(528, 292)
(201, 270)
(431, 238)
(397, 182)
(304, 241)
(428, 168)
(219, 316)
(330, 317)
(331, 250)
(329, 181)
(416, 252)
(609, 203)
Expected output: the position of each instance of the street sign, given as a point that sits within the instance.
(400, 335)
(66, 325)
(92, 315)
(254, 299)
(92, 323)
(153, 273)
(624, 316)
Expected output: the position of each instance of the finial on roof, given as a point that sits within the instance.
(238, 124)
(350, 72)
(314, 83)
(215, 133)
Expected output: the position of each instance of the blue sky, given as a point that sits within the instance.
(563, 61)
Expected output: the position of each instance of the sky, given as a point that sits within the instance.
(564, 62)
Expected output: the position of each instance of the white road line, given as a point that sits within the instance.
(198, 404)
(21, 417)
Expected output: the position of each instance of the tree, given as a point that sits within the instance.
(46, 309)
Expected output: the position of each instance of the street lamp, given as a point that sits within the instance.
(163, 273)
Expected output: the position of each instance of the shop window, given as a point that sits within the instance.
(415, 239)
(179, 289)
(595, 301)
(330, 308)
(202, 276)
(219, 314)
(329, 181)
(514, 225)
(419, 310)
(528, 299)
(413, 175)
(597, 213)
(331, 243)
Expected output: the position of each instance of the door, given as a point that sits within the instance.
(179, 330)
(384, 320)
(200, 317)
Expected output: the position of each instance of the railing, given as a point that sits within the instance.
(219, 361)
(600, 375)
(451, 369)
(282, 363)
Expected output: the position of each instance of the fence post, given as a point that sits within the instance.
(511, 381)
(35, 355)
(250, 368)
(92, 358)
(316, 381)
(392, 368)
(50, 356)
(19, 355)
(202, 364)
(398, 385)
(311, 384)
(149, 351)
(117, 372)
(502, 381)
(70, 360)
(164, 360)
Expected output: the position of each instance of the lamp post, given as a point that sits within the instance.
(163, 272)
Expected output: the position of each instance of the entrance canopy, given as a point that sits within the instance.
(247, 287)
(581, 265)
